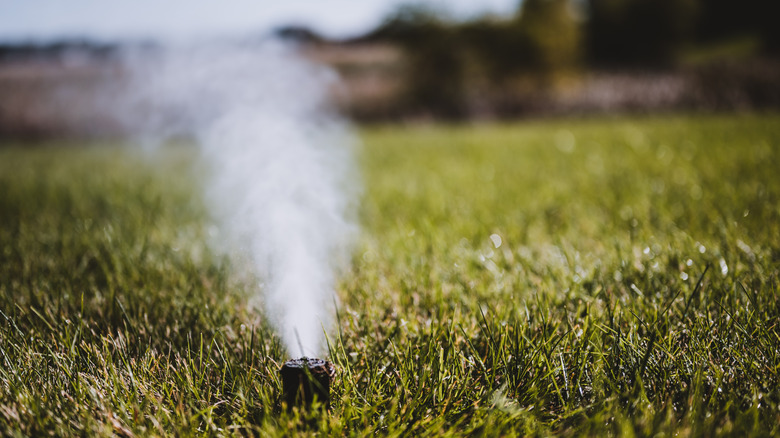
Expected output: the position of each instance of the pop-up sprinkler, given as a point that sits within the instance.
(305, 380)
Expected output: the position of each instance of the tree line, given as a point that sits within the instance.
(546, 40)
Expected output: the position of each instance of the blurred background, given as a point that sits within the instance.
(461, 60)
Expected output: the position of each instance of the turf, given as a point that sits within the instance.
(597, 277)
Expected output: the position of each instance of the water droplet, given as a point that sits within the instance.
(696, 192)
(496, 239)
(626, 213)
(488, 173)
(595, 164)
(745, 248)
(665, 154)
(683, 276)
(635, 138)
(565, 141)
(724, 268)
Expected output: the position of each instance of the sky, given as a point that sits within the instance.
(44, 20)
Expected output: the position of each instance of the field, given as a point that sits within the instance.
(606, 276)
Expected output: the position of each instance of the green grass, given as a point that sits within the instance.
(634, 291)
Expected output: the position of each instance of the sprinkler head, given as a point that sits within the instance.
(306, 379)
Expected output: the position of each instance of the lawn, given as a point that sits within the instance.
(607, 276)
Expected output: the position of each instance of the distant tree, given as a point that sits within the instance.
(499, 48)
(723, 19)
(298, 35)
(768, 12)
(770, 30)
(407, 25)
(550, 32)
(435, 65)
(639, 32)
(543, 38)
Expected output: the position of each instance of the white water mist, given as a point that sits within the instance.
(280, 182)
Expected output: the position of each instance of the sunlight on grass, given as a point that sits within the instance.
(610, 276)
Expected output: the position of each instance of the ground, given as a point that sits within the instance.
(608, 276)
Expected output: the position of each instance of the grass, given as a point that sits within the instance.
(608, 276)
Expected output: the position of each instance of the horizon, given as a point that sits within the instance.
(177, 20)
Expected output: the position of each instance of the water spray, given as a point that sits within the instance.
(280, 185)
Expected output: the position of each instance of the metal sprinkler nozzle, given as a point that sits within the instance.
(306, 379)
